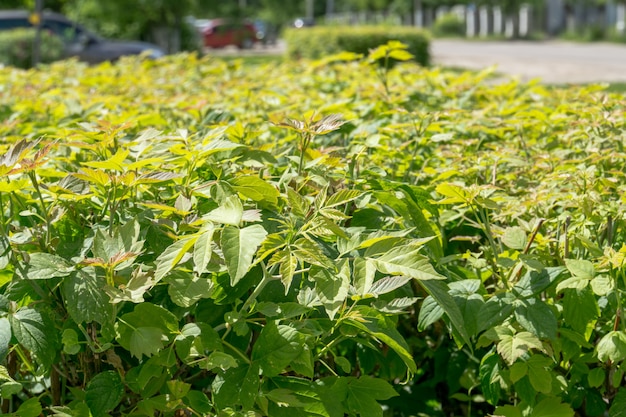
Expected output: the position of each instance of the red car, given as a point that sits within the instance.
(219, 33)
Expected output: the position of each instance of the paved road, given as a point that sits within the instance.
(553, 62)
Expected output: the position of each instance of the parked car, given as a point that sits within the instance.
(219, 33)
(79, 42)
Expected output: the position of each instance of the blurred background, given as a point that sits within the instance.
(176, 25)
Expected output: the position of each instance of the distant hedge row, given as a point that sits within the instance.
(16, 47)
(316, 42)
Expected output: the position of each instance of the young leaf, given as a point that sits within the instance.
(172, 255)
(514, 238)
(511, 348)
(186, 289)
(363, 275)
(104, 392)
(203, 250)
(331, 289)
(342, 197)
(430, 312)
(229, 212)
(612, 347)
(388, 284)
(255, 189)
(404, 260)
(239, 247)
(382, 328)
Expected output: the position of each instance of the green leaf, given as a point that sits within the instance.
(430, 312)
(145, 341)
(490, 379)
(203, 250)
(497, 309)
(535, 282)
(229, 212)
(580, 268)
(580, 311)
(178, 389)
(45, 266)
(186, 289)
(199, 402)
(237, 386)
(514, 238)
(5, 337)
(384, 329)
(239, 247)
(255, 189)
(85, 298)
(552, 407)
(512, 347)
(539, 373)
(596, 377)
(104, 392)
(618, 406)
(276, 347)
(403, 260)
(517, 371)
(172, 255)
(537, 317)
(71, 346)
(342, 197)
(363, 394)
(332, 289)
(388, 284)
(439, 291)
(147, 323)
(508, 411)
(363, 275)
(37, 333)
(29, 408)
(612, 347)
(78, 409)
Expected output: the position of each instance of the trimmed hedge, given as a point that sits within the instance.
(449, 24)
(316, 42)
(16, 47)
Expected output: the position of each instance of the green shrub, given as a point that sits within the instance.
(16, 47)
(317, 42)
(449, 24)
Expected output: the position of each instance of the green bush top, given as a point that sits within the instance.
(319, 41)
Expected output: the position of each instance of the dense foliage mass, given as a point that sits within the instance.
(199, 237)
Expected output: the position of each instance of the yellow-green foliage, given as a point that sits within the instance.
(316, 42)
(195, 236)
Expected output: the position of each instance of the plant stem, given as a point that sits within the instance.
(33, 178)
